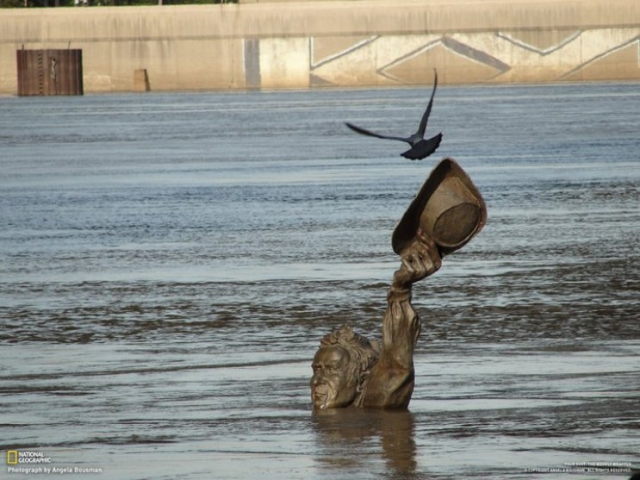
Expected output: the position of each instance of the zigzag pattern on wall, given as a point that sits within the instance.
(494, 57)
(617, 59)
(541, 44)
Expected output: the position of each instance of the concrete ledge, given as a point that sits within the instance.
(323, 18)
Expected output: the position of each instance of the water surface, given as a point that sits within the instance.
(169, 263)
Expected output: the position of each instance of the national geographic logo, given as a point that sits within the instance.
(34, 462)
(26, 457)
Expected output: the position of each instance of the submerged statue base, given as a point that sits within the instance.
(348, 369)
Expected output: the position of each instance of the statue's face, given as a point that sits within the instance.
(331, 385)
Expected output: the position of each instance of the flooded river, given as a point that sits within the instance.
(169, 263)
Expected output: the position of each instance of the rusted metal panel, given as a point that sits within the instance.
(50, 72)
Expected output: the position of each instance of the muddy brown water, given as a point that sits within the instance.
(169, 263)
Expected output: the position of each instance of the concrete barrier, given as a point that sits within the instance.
(334, 43)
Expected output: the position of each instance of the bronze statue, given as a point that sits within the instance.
(348, 369)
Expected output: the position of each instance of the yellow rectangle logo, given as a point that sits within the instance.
(12, 457)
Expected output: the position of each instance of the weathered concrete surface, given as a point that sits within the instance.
(342, 43)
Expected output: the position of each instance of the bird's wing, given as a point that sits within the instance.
(362, 131)
(423, 123)
(423, 148)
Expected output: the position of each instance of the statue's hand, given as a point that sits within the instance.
(419, 260)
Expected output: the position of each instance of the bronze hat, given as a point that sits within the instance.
(448, 208)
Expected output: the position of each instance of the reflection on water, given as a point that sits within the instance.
(341, 433)
(165, 281)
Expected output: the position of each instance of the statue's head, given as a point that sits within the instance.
(340, 368)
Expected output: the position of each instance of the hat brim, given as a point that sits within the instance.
(407, 228)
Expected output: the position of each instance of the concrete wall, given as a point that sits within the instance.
(334, 43)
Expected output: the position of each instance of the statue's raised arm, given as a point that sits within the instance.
(350, 370)
(390, 384)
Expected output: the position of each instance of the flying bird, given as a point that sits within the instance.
(420, 148)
